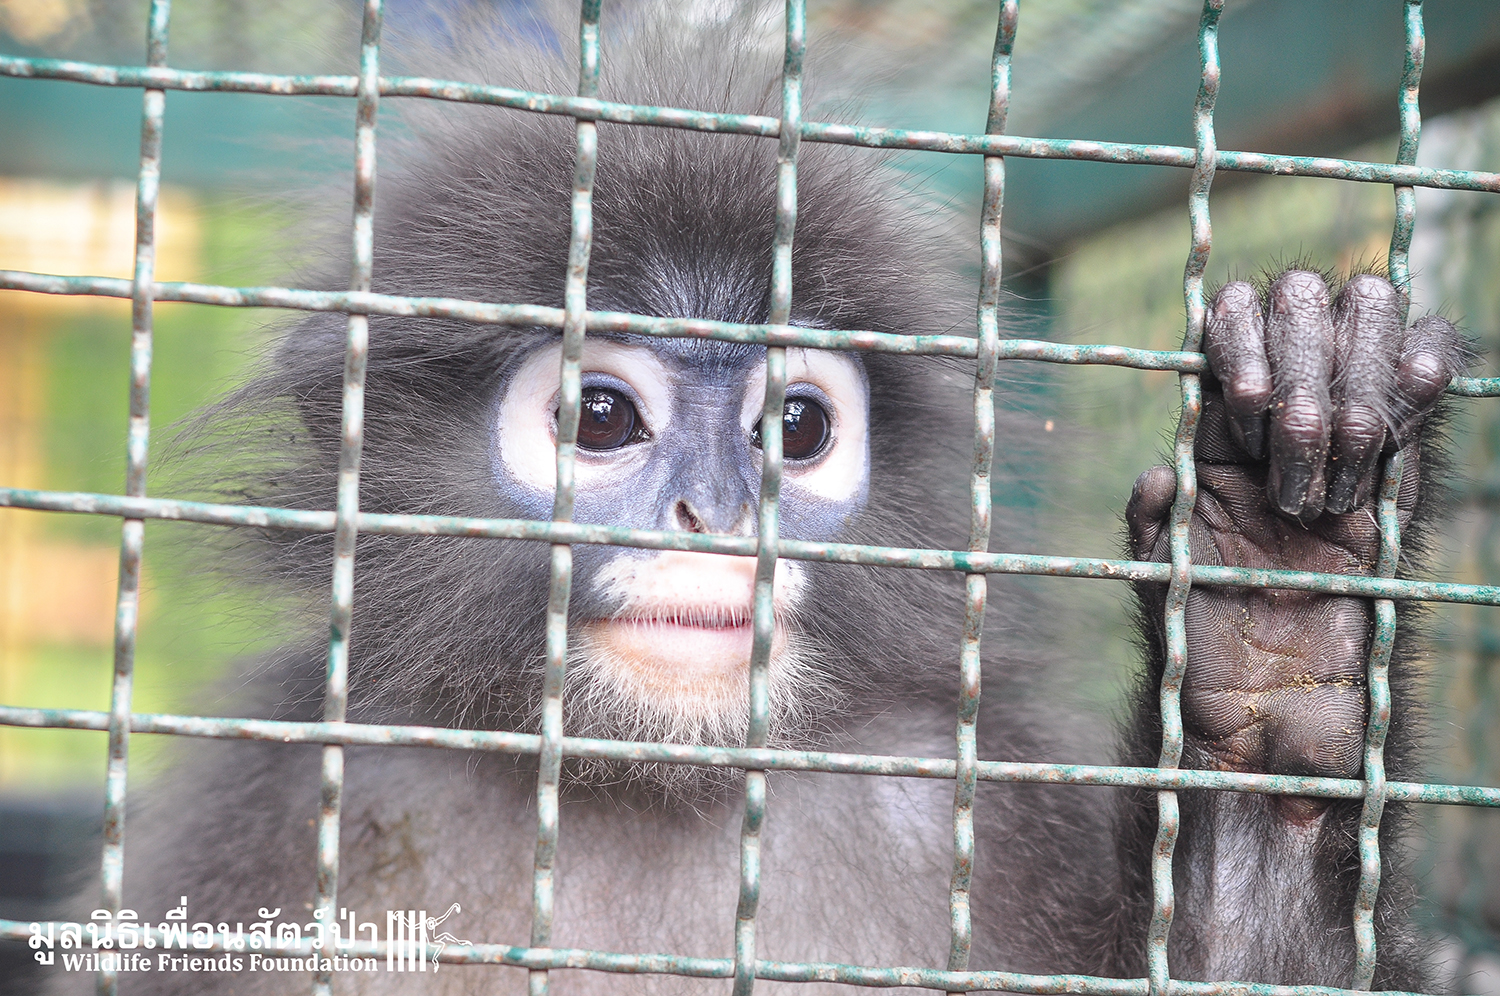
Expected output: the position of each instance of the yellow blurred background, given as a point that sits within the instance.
(63, 397)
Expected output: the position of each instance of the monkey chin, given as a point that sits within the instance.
(681, 677)
(686, 668)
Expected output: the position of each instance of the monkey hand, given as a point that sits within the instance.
(1304, 396)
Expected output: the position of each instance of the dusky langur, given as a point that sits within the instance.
(1310, 384)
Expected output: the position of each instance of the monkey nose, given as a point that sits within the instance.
(687, 517)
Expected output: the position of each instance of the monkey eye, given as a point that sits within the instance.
(804, 429)
(608, 420)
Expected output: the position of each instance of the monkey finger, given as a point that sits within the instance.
(1368, 334)
(1432, 354)
(1235, 343)
(1146, 512)
(1299, 346)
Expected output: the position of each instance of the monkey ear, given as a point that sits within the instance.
(309, 363)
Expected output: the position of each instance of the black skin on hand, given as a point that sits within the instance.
(1307, 390)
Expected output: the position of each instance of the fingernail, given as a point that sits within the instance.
(1341, 491)
(1253, 435)
(1295, 479)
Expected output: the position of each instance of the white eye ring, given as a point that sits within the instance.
(841, 471)
(526, 417)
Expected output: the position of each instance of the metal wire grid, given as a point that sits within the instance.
(575, 320)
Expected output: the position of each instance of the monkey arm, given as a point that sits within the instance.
(1305, 394)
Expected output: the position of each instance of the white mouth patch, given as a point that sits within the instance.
(672, 663)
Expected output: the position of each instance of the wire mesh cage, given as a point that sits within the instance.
(987, 352)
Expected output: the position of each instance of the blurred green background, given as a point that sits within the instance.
(1094, 254)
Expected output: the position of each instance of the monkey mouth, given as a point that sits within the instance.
(690, 616)
(676, 643)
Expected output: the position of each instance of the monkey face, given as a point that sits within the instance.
(670, 439)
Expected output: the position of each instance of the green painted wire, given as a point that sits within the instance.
(560, 588)
(1163, 899)
(346, 515)
(1384, 636)
(768, 528)
(137, 450)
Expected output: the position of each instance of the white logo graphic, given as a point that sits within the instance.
(411, 933)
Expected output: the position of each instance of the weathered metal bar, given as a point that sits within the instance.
(603, 321)
(1406, 152)
(1377, 725)
(976, 585)
(278, 731)
(833, 553)
(137, 453)
(1475, 387)
(620, 322)
(869, 136)
(768, 518)
(1163, 898)
(351, 445)
(560, 586)
(1383, 638)
(533, 959)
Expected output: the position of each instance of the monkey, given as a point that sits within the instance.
(1309, 384)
